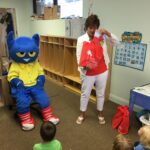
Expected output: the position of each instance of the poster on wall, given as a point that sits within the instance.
(130, 55)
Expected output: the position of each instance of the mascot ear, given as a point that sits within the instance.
(10, 39)
(36, 39)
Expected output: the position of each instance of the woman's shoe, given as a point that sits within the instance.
(101, 120)
(79, 120)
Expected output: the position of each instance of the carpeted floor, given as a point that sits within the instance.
(88, 136)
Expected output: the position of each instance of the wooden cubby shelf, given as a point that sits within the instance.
(58, 58)
(73, 78)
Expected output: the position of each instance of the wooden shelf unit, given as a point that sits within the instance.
(58, 58)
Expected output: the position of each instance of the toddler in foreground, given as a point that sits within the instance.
(47, 132)
(122, 143)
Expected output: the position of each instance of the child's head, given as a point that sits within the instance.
(144, 134)
(122, 143)
(48, 131)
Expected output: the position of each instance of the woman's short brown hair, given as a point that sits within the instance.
(92, 20)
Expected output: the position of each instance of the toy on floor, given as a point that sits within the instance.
(27, 79)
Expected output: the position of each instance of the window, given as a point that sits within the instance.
(68, 8)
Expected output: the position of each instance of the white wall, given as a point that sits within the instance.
(48, 27)
(119, 16)
(23, 13)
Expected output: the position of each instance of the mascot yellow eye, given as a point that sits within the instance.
(32, 54)
(21, 54)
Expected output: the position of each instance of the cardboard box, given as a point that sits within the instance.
(48, 13)
(56, 11)
(52, 12)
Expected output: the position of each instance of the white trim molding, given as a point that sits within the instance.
(122, 101)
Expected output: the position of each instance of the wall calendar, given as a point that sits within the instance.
(130, 55)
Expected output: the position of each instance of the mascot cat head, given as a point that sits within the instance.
(23, 49)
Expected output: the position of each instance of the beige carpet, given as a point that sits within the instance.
(88, 136)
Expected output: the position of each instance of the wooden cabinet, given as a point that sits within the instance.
(58, 58)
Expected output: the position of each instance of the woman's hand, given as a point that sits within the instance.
(104, 31)
(88, 67)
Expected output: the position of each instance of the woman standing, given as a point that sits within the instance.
(94, 75)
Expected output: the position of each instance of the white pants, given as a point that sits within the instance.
(86, 88)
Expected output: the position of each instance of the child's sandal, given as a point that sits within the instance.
(79, 120)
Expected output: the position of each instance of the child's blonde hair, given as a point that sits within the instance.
(122, 143)
(144, 134)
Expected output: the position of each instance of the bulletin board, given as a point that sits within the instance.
(130, 55)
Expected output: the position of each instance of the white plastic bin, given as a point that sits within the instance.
(145, 119)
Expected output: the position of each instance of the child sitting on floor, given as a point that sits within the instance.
(47, 132)
(122, 143)
(144, 135)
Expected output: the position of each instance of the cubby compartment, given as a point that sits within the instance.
(75, 65)
(61, 41)
(68, 61)
(70, 65)
(50, 39)
(58, 59)
(53, 76)
(74, 42)
(49, 57)
(43, 38)
(76, 87)
(70, 43)
(52, 55)
(55, 40)
(72, 85)
(43, 53)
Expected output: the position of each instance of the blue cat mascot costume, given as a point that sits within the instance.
(27, 79)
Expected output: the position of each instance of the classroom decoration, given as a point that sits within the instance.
(130, 55)
(132, 37)
(27, 80)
